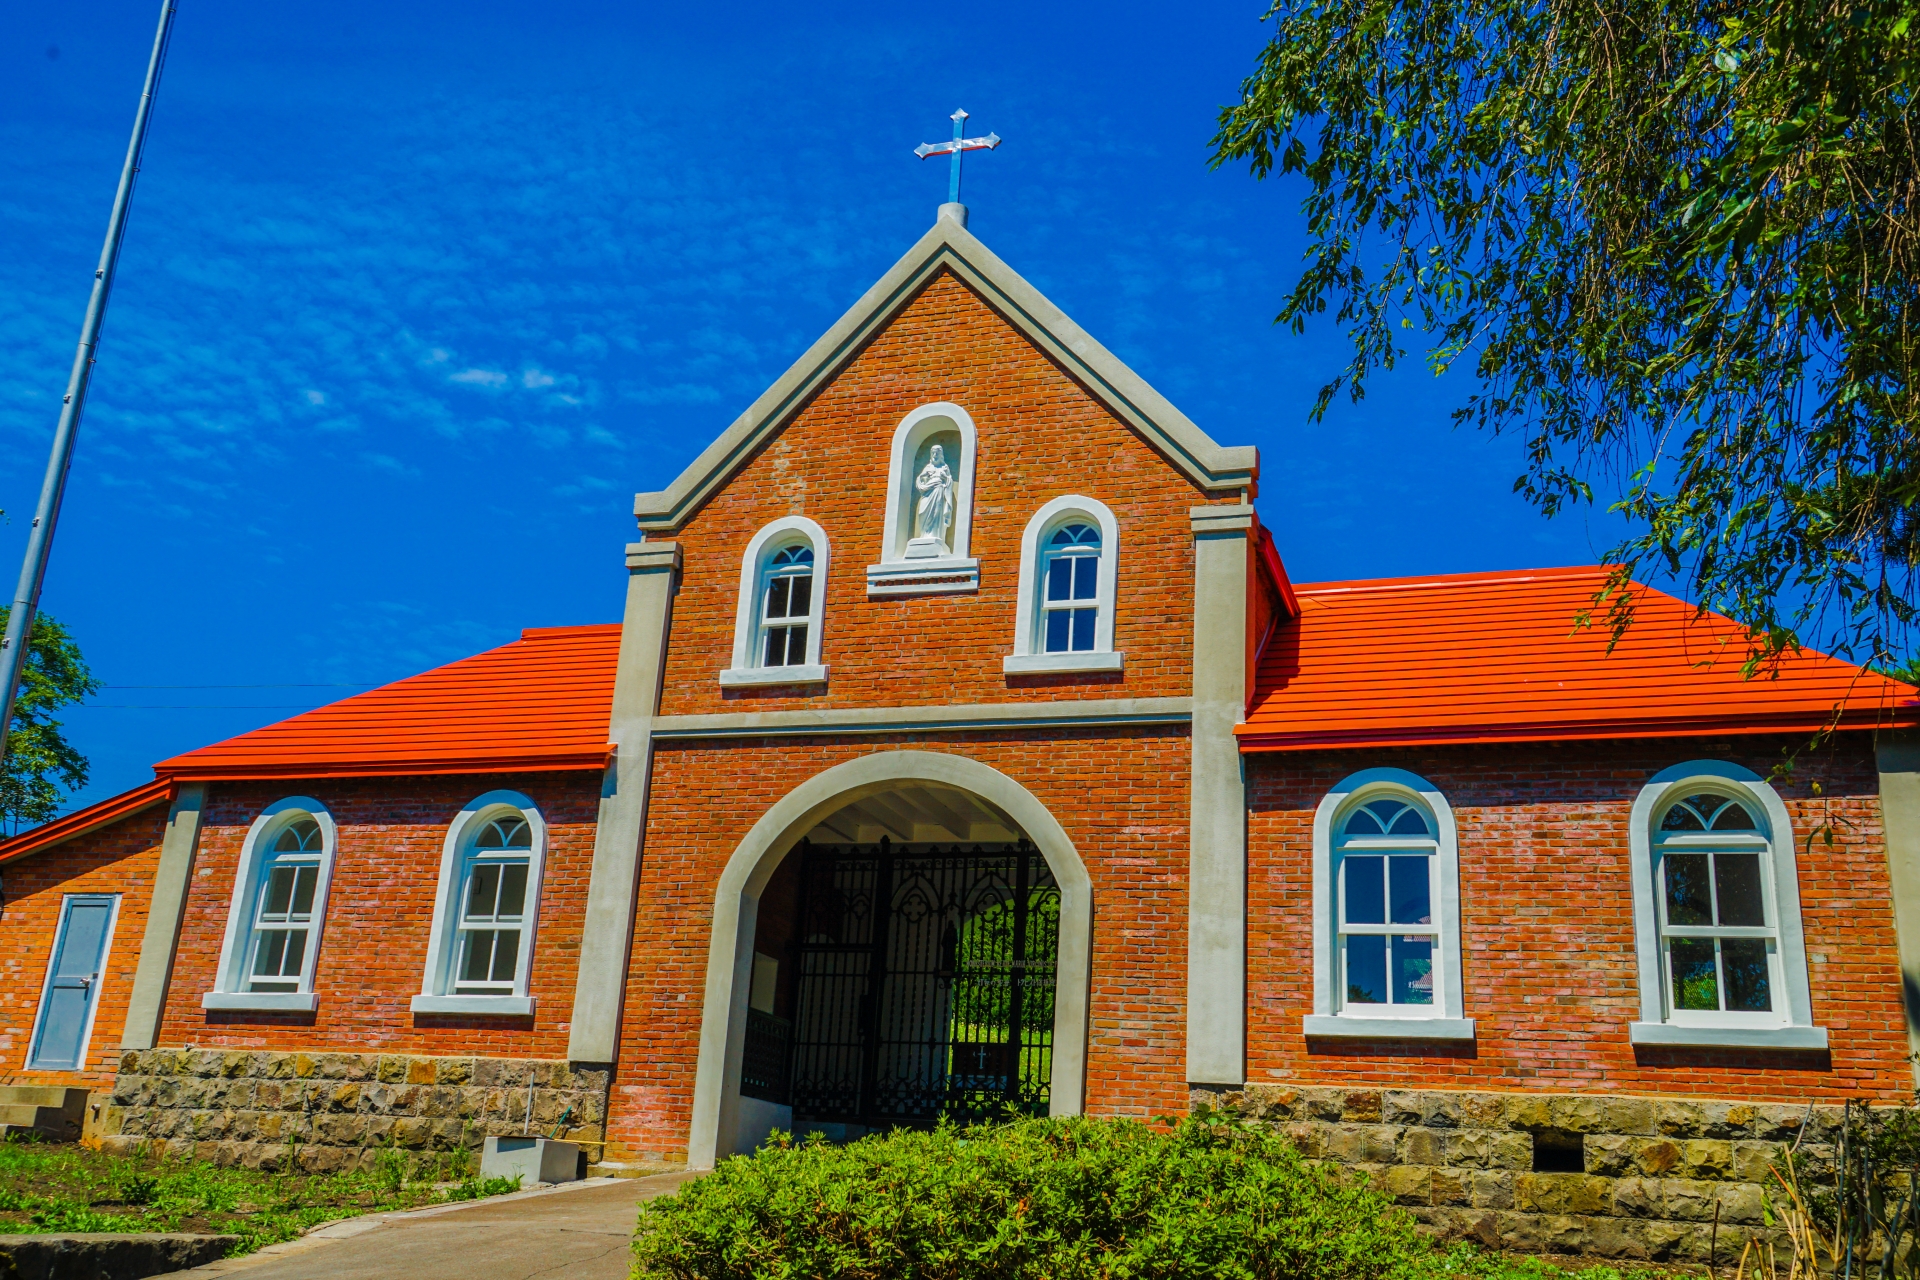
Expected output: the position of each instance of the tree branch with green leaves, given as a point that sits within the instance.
(41, 764)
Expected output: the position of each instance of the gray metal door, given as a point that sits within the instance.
(66, 1011)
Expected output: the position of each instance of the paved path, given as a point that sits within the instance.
(579, 1229)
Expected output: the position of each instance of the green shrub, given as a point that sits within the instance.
(1060, 1199)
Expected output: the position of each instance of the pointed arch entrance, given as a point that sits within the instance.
(833, 804)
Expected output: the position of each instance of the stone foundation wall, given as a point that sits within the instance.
(332, 1111)
(1623, 1177)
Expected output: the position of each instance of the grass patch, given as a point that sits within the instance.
(46, 1187)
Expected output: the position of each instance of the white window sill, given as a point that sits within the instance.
(1657, 1033)
(929, 575)
(1027, 664)
(262, 1001)
(476, 1006)
(737, 677)
(1361, 1028)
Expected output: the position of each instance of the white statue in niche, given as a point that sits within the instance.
(933, 516)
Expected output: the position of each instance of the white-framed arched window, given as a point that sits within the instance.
(1386, 910)
(1717, 912)
(1069, 568)
(782, 603)
(480, 948)
(927, 527)
(278, 906)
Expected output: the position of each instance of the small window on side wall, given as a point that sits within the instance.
(480, 949)
(783, 579)
(494, 897)
(279, 904)
(1068, 582)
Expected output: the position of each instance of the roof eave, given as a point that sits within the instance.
(1254, 739)
(91, 818)
(216, 771)
(1213, 467)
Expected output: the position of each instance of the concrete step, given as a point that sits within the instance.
(54, 1111)
(43, 1095)
(635, 1169)
(31, 1117)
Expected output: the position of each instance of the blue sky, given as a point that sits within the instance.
(415, 297)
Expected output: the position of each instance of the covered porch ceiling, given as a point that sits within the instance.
(917, 813)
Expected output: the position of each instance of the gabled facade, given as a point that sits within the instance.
(964, 745)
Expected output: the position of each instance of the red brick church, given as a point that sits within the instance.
(965, 747)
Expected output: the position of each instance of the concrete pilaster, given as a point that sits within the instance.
(653, 570)
(155, 972)
(1217, 863)
(1899, 760)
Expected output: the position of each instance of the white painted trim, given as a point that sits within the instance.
(747, 677)
(99, 984)
(771, 539)
(1356, 789)
(254, 850)
(963, 716)
(723, 1024)
(955, 571)
(1667, 1033)
(475, 1006)
(438, 978)
(1027, 623)
(1783, 884)
(1038, 663)
(1341, 1025)
(262, 1001)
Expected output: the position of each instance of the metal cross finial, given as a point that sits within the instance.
(955, 149)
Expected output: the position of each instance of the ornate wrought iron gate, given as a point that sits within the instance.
(939, 1004)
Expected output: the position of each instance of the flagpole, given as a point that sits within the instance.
(33, 572)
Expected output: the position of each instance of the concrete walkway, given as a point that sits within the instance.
(578, 1229)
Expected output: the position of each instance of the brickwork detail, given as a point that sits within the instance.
(1656, 1172)
(333, 1111)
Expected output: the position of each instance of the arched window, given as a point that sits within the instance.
(1068, 575)
(1386, 899)
(278, 906)
(482, 941)
(1717, 907)
(783, 579)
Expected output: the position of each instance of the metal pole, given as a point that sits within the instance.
(33, 572)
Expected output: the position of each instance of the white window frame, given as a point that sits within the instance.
(249, 881)
(1028, 656)
(1445, 1018)
(769, 542)
(1789, 1025)
(98, 994)
(896, 575)
(443, 939)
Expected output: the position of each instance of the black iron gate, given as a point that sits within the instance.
(939, 1004)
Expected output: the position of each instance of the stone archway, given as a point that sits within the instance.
(717, 1128)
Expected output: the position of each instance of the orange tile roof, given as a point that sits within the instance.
(539, 703)
(81, 821)
(1495, 657)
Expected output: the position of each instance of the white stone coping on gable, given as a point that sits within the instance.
(749, 677)
(476, 1006)
(1343, 1026)
(1053, 713)
(947, 245)
(262, 1001)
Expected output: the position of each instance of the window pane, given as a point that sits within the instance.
(1412, 969)
(1683, 817)
(1060, 578)
(296, 953)
(1411, 822)
(1695, 985)
(1367, 970)
(299, 837)
(514, 832)
(272, 949)
(513, 891)
(1733, 818)
(482, 891)
(1749, 985)
(506, 954)
(304, 881)
(1086, 575)
(1057, 624)
(776, 654)
(1688, 899)
(777, 597)
(279, 892)
(1363, 823)
(1083, 629)
(802, 599)
(1366, 898)
(1737, 878)
(796, 646)
(1409, 881)
(479, 957)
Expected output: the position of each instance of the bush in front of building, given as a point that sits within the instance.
(1057, 1198)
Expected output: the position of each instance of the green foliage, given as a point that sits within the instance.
(1675, 239)
(477, 1188)
(40, 762)
(1057, 1198)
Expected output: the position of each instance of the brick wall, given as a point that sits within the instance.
(373, 950)
(118, 858)
(1547, 928)
(1041, 435)
(1122, 798)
